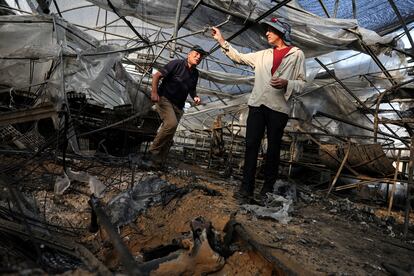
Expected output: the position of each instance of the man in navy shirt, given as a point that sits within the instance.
(179, 78)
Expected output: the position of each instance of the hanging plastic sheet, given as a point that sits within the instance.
(27, 48)
(314, 34)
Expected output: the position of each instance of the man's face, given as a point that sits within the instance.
(273, 36)
(194, 58)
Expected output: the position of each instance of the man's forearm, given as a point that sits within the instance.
(155, 82)
(154, 87)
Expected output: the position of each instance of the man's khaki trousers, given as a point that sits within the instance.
(170, 116)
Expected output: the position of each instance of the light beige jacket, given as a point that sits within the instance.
(292, 69)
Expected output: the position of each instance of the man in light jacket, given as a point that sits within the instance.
(279, 73)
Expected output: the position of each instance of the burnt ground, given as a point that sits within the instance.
(333, 236)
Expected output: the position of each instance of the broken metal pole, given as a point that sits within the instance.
(13, 9)
(321, 146)
(281, 263)
(127, 259)
(402, 21)
(320, 113)
(250, 23)
(394, 185)
(65, 114)
(379, 100)
(357, 99)
(17, 199)
(99, 31)
(176, 26)
(189, 14)
(341, 83)
(27, 115)
(374, 57)
(375, 114)
(338, 173)
(398, 122)
(324, 8)
(354, 11)
(336, 8)
(57, 8)
(225, 11)
(134, 49)
(409, 195)
(403, 52)
(146, 41)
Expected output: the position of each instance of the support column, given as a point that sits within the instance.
(176, 27)
(410, 182)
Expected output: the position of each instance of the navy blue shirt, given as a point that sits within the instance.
(178, 81)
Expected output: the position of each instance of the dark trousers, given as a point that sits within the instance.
(259, 119)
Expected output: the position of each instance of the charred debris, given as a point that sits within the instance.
(76, 121)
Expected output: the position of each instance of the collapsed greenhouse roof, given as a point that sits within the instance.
(92, 39)
(75, 83)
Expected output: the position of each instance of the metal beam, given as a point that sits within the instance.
(354, 11)
(362, 104)
(324, 8)
(226, 11)
(131, 265)
(128, 23)
(398, 122)
(58, 242)
(383, 69)
(176, 26)
(341, 83)
(323, 114)
(27, 115)
(370, 52)
(409, 193)
(336, 8)
(402, 21)
(250, 23)
(57, 8)
(375, 114)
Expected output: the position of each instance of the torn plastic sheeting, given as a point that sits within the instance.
(312, 69)
(363, 64)
(20, 39)
(374, 15)
(209, 112)
(226, 78)
(314, 34)
(11, 73)
(331, 99)
(35, 37)
(95, 185)
(126, 206)
(279, 213)
(90, 73)
(27, 36)
(216, 76)
(61, 184)
(78, 176)
(282, 187)
(138, 94)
